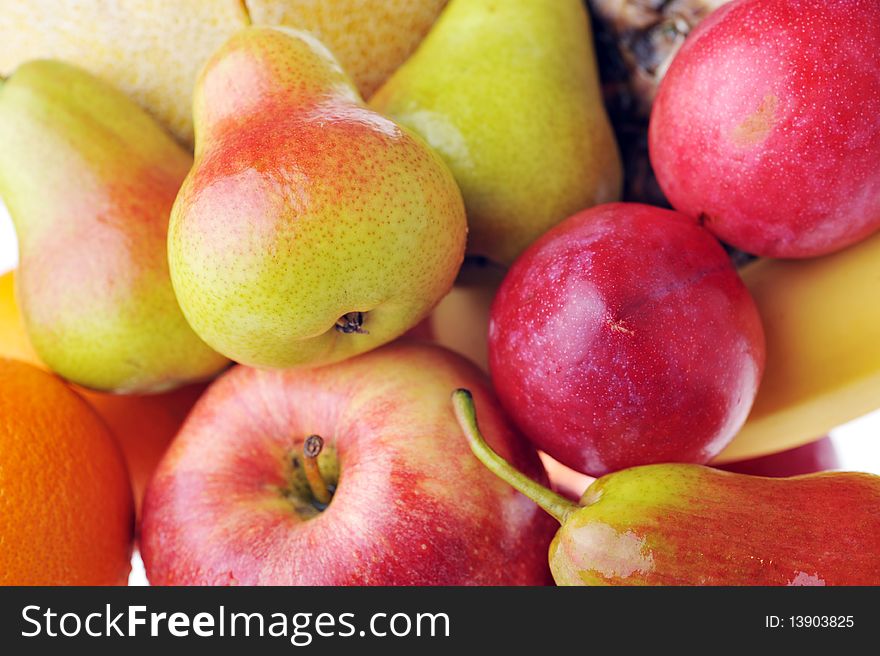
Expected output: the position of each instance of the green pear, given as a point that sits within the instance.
(508, 93)
(310, 228)
(89, 180)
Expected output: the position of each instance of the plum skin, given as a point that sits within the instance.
(625, 337)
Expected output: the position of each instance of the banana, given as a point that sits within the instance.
(822, 321)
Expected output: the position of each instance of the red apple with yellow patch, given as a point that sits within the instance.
(767, 125)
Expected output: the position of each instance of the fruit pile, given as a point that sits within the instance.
(272, 318)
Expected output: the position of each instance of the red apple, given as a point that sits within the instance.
(410, 504)
(625, 337)
(809, 458)
(767, 125)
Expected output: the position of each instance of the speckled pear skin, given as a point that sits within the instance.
(508, 93)
(677, 524)
(303, 205)
(89, 180)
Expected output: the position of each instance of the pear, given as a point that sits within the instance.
(310, 228)
(89, 180)
(508, 93)
(371, 38)
(153, 49)
(149, 49)
(682, 524)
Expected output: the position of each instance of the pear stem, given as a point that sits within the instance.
(353, 322)
(311, 449)
(556, 505)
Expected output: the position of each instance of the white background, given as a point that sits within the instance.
(858, 443)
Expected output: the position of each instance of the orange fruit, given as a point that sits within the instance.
(66, 509)
(143, 425)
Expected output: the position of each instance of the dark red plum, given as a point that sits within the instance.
(625, 337)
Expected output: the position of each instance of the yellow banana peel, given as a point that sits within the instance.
(822, 321)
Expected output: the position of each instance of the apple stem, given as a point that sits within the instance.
(352, 322)
(557, 506)
(311, 449)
